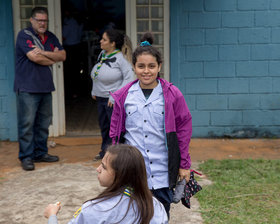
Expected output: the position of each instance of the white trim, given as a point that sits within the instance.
(16, 18)
(131, 31)
(166, 40)
(130, 21)
(58, 124)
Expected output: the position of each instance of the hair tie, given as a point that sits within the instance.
(145, 43)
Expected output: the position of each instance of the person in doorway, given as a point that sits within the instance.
(152, 115)
(36, 51)
(126, 199)
(112, 72)
(71, 36)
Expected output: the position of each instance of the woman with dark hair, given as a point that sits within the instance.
(152, 115)
(112, 72)
(126, 199)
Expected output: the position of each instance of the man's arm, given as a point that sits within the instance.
(56, 55)
(38, 58)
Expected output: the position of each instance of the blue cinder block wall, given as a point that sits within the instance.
(225, 58)
(8, 122)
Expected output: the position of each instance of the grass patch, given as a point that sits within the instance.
(243, 191)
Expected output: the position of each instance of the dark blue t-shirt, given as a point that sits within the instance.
(29, 76)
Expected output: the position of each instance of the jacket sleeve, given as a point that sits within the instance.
(183, 121)
(114, 121)
(52, 219)
(127, 73)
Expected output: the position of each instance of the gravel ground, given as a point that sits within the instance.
(24, 195)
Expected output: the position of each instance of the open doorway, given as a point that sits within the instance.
(88, 20)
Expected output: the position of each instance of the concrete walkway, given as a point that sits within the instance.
(73, 179)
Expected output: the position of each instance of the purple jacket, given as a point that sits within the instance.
(178, 126)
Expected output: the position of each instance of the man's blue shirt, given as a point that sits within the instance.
(29, 76)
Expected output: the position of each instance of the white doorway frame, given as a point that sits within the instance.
(131, 31)
(54, 6)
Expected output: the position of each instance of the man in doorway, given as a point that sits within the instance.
(37, 50)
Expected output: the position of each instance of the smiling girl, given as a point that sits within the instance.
(152, 115)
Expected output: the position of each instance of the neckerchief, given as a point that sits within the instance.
(37, 42)
(128, 191)
(104, 58)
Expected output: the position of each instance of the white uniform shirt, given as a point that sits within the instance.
(113, 74)
(145, 130)
(112, 211)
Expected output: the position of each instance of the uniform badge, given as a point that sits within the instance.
(77, 212)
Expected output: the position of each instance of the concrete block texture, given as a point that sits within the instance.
(274, 68)
(221, 36)
(270, 101)
(233, 86)
(212, 102)
(220, 5)
(261, 85)
(3, 73)
(238, 19)
(244, 102)
(219, 69)
(254, 35)
(230, 65)
(201, 86)
(252, 69)
(253, 4)
(226, 118)
(201, 118)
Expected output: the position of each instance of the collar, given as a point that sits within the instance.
(38, 36)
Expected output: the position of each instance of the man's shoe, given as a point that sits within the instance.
(97, 157)
(46, 158)
(27, 164)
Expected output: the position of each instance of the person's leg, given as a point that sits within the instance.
(27, 104)
(104, 115)
(164, 195)
(41, 126)
(107, 139)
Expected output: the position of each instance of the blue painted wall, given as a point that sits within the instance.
(225, 58)
(8, 118)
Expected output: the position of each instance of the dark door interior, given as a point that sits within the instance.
(85, 20)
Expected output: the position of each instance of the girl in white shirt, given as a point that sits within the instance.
(127, 198)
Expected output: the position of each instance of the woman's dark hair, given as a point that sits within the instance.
(115, 36)
(130, 171)
(147, 49)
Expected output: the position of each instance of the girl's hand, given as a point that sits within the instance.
(110, 104)
(52, 209)
(184, 174)
(93, 97)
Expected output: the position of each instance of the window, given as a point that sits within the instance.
(150, 16)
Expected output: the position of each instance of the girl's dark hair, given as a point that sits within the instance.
(147, 49)
(130, 171)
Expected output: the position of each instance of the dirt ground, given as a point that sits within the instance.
(73, 179)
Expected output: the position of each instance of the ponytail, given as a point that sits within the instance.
(127, 49)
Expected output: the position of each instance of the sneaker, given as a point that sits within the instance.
(27, 164)
(46, 158)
